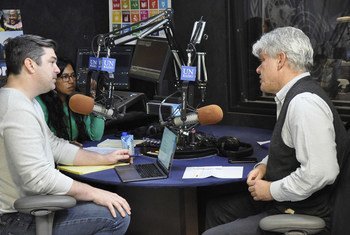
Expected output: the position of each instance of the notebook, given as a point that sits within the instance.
(150, 171)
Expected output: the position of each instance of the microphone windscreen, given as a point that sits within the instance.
(81, 104)
(210, 114)
(343, 19)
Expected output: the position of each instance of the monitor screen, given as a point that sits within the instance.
(123, 56)
(150, 59)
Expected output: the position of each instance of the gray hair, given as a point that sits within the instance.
(292, 41)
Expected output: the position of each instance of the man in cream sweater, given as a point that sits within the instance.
(29, 151)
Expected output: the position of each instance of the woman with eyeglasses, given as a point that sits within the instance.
(63, 121)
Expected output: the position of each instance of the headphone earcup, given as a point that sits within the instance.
(230, 147)
(154, 131)
(227, 143)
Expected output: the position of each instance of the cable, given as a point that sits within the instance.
(161, 120)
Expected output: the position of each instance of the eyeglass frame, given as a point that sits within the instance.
(65, 77)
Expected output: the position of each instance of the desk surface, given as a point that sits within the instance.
(244, 134)
(177, 203)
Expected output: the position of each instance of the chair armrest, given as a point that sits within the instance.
(283, 223)
(40, 205)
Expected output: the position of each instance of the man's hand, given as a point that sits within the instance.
(260, 190)
(85, 192)
(112, 201)
(89, 158)
(256, 174)
(121, 155)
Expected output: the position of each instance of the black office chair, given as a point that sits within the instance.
(43, 207)
(303, 224)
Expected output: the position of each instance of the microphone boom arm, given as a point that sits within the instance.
(141, 29)
(164, 22)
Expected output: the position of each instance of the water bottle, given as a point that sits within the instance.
(128, 142)
(124, 140)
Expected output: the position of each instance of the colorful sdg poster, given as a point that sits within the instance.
(124, 13)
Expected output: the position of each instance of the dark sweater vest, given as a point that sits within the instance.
(282, 160)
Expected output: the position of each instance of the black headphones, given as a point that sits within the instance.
(231, 147)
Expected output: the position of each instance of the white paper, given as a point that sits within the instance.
(101, 150)
(263, 142)
(223, 172)
(115, 143)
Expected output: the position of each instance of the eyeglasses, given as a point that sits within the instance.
(65, 77)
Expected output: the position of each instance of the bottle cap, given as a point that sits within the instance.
(124, 133)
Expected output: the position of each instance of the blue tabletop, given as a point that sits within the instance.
(244, 134)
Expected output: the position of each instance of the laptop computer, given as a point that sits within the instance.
(150, 171)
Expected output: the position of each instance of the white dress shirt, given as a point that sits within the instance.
(308, 128)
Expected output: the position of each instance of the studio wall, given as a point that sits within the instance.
(73, 24)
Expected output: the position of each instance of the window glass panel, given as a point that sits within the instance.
(329, 35)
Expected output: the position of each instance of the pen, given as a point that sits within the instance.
(76, 143)
(243, 160)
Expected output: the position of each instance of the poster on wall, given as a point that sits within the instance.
(10, 26)
(123, 13)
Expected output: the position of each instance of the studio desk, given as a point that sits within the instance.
(175, 205)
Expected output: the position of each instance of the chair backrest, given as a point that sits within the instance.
(43, 208)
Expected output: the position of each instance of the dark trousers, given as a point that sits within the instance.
(236, 214)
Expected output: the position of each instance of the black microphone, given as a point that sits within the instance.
(197, 31)
(202, 88)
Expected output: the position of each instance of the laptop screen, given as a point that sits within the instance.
(167, 148)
